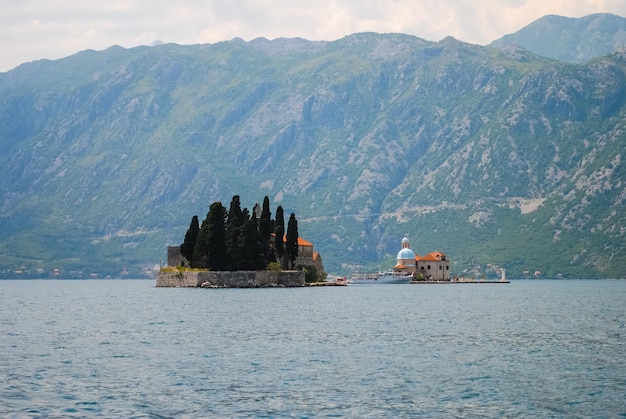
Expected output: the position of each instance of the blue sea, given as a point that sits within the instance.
(541, 349)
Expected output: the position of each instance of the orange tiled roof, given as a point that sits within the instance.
(301, 241)
(433, 256)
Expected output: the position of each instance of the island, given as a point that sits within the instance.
(238, 248)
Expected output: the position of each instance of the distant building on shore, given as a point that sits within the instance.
(307, 255)
(434, 266)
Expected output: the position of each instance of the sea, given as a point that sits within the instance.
(124, 348)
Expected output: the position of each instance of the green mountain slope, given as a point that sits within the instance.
(491, 156)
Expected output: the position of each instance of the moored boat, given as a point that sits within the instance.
(388, 277)
(434, 267)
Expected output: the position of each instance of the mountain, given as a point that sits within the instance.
(573, 40)
(492, 156)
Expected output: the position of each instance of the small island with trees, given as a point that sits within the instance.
(242, 248)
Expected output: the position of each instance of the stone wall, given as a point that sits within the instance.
(231, 279)
(175, 258)
(176, 279)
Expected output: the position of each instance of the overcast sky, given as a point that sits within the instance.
(35, 29)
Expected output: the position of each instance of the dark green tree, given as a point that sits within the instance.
(235, 214)
(265, 232)
(234, 222)
(310, 273)
(291, 242)
(188, 245)
(251, 247)
(217, 255)
(201, 248)
(237, 240)
(279, 234)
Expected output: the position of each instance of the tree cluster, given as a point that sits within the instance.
(235, 239)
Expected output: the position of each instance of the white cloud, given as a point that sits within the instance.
(35, 29)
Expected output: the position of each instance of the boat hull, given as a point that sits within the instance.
(381, 278)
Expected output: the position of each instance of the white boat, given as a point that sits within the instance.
(388, 277)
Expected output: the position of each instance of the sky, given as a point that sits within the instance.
(52, 29)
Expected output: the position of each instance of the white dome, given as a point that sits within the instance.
(406, 254)
(405, 240)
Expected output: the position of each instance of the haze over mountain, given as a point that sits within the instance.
(568, 39)
(490, 155)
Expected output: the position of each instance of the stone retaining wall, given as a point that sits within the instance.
(231, 279)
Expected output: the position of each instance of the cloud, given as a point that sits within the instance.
(35, 29)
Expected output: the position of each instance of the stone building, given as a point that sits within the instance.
(434, 266)
(175, 258)
(308, 256)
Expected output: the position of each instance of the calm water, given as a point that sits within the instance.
(128, 349)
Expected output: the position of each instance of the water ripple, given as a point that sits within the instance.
(127, 349)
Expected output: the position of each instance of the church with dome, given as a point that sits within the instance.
(434, 266)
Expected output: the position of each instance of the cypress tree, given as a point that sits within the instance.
(201, 248)
(236, 239)
(217, 255)
(234, 221)
(251, 247)
(265, 232)
(189, 244)
(291, 242)
(235, 214)
(279, 233)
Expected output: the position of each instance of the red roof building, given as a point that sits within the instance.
(434, 266)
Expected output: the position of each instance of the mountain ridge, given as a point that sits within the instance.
(493, 156)
(573, 40)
